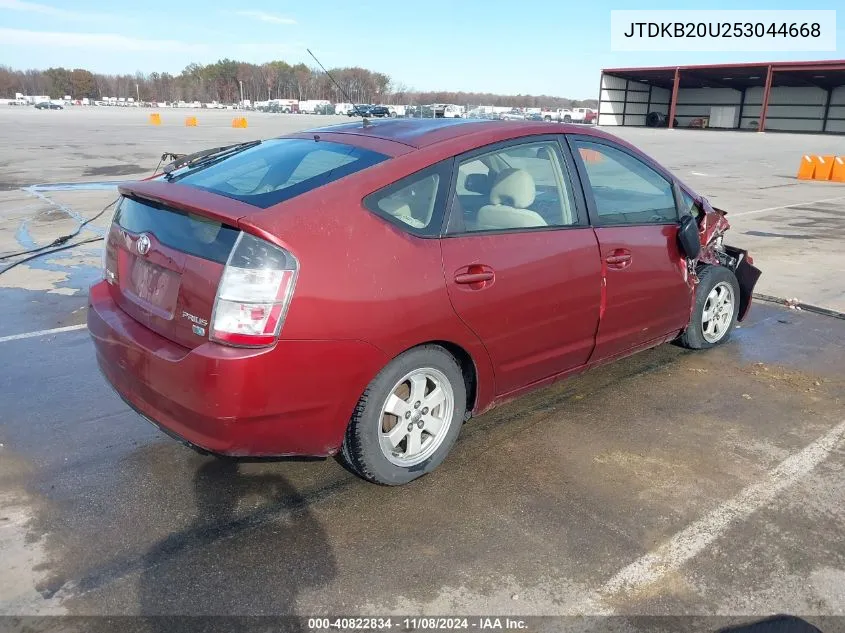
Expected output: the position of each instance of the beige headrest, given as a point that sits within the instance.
(514, 187)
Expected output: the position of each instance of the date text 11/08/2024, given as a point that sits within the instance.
(417, 624)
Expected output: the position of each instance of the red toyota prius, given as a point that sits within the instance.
(366, 288)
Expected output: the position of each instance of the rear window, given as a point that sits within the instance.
(280, 169)
(185, 232)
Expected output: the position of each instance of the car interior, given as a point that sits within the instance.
(519, 187)
(413, 204)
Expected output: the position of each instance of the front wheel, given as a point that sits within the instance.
(716, 308)
(408, 419)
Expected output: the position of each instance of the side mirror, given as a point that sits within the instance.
(477, 183)
(688, 239)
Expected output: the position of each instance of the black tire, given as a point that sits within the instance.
(567, 119)
(548, 118)
(361, 450)
(708, 278)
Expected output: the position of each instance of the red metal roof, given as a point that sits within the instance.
(827, 64)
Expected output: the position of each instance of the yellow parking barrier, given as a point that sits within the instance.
(838, 173)
(191, 121)
(807, 168)
(590, 155)
(824, 167)
(239, 121)
(155, 118)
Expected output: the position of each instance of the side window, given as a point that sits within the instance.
(415, 202)
(688, 206)
(626, 190)
(516, 187)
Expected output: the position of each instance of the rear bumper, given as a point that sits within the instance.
(295, 398)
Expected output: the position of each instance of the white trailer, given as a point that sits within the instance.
(310, 106)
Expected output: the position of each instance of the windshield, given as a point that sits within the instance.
(280, 169)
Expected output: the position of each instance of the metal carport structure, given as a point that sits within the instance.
(807, 96)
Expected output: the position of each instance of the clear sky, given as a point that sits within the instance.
(506, 46)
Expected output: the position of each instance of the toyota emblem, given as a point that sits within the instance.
(143, 244)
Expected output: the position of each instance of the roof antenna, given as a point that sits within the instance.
(343, 92)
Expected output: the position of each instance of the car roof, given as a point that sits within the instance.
(419, 133)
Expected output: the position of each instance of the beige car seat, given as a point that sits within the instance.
(511, 195)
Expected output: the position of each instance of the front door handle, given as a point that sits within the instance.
(618, 259)
(473, 278)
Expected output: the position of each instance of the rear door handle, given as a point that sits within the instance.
(473, 278)
(618, 258)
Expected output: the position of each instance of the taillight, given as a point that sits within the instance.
(110, 250)
(254, 293)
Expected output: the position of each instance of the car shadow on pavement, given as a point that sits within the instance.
(253, 546)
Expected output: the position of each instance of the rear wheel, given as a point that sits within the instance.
(408, 418)
(716, 308)
(567, 119)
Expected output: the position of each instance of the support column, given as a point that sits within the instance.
(826, 109)
(625, 102)
(764, 108)
(674, 100)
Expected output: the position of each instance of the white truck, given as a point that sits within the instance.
(584, 115)
(448, 110)
(561, 115)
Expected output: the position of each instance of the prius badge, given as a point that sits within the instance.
(199, 324)
(143, 244)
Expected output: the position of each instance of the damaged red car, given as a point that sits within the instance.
(367, 288)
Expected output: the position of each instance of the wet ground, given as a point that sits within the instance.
(724, 469)
(669, 483)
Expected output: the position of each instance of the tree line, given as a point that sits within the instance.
(228, 81)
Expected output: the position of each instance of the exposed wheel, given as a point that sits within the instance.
(547, 118)
(567, 119)
(715, 311)
(408, 418)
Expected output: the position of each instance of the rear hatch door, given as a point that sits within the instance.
(165, 254)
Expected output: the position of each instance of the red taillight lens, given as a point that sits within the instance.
(254, 293)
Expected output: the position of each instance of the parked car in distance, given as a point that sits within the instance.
(379, 111)
(48, 105)
(365, 290)
(513, 115)
(361, 110)
(534, 116)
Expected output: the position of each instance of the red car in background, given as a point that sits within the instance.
(366, 288)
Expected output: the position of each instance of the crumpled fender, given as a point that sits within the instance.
(711, 226)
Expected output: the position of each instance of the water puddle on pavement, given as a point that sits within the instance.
(75, 186)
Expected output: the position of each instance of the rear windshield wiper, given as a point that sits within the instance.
(205, 157)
